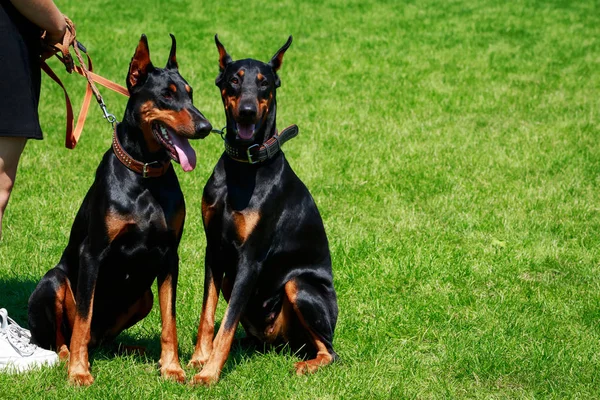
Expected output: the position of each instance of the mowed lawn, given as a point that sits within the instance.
(452, 148)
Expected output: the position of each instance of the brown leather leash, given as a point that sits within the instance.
(61, 51)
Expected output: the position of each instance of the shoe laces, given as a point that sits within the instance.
(18, 337)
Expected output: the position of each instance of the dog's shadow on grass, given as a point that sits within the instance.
(14, 296)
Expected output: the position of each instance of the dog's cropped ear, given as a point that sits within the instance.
(140, 65)
(172, 62)
(277, 60)
(224, 59)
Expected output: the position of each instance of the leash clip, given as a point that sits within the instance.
(108, 116)
(250, 155)
(220, 132)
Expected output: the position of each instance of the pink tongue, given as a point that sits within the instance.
(187, 155)
(245, 131)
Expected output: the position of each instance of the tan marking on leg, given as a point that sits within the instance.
(135, 313)
(221, 348)
(170, 367)
(279, 328)
(208, 211)
(206, 328)
(245, 222)
(323, 357)
(65, 308)
(79, 366)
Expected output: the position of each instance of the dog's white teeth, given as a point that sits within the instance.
(164, 132)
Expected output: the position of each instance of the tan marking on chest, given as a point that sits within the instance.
(245, 222)
(117, 224)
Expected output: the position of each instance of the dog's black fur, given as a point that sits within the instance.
(266, 245)
(127, 231)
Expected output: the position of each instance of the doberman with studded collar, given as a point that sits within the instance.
(128, 229)
(266, 251)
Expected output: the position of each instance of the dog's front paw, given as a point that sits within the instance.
(197, 362)
(173, 373)
(306, 367)
(81, 378)
(205, 378)
(63, 353)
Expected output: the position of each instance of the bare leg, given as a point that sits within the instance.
(10, 152)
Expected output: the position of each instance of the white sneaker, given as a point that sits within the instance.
(17, 353)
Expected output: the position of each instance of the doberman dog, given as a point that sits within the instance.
(128, 229)
(266, 245)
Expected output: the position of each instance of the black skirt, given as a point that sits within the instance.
(20, 75)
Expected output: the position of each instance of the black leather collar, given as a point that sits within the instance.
(259, 153)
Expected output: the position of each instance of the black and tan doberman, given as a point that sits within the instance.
(128, 229)
(267, 251)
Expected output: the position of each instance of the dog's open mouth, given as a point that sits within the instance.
(178, 147)
(245, 131)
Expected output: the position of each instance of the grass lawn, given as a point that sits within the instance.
(452, 148)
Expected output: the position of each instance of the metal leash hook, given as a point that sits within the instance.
(108, 116)
(220, 132)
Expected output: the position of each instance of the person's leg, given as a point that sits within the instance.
(10, 152)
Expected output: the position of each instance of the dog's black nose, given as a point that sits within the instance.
(203, 128)
(248, 112)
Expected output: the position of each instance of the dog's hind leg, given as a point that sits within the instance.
(52, 312)
(316, 309)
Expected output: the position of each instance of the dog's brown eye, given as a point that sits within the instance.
(235, 81)
(264, 83)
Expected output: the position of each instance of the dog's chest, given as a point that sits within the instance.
(241, 224)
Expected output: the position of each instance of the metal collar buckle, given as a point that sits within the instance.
(250, 155)
(145, 168)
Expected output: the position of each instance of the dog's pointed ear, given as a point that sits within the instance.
(277, 59)
(172, 62)
(140, 64)
(224, 60)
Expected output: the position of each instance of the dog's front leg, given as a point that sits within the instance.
(79, 367)
(213, 278)
(241, 292)
(170, 367)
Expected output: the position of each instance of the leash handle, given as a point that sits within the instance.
(61, 51)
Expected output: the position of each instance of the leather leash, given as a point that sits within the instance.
(69, 40)
(259, 153)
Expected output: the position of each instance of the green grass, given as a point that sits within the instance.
(452, 148)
